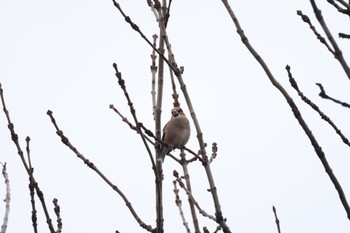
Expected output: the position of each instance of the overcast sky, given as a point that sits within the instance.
(58, 55)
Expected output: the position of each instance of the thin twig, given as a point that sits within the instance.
(307, 20)
(32, 188)
(184, 164)
(315, 107)
(179, 205)
(14, 138)
(325, 96)
(277, 221)
(337, 52)
(7, 199)
(182, 185)
(214, 150)
(345, 4)
(91, 165)
(154, 72)
(57, 210)
(343, 35)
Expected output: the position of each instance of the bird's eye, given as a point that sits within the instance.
(174, 113)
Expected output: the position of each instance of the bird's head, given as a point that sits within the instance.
(176, 111)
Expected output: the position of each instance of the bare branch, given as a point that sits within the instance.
(321, 155)
(179, 205)
(293, 107)
(325, 96)
(184, 164)
(182, 185)
(91, 165)
(343, 35)
(14, 138)
(7, 199)
(307, 20)
(214, 150)
(57, 210)
(339, 8)
(315, 107)
(338, 53)
(32, 188)
(154, 72)
(277, 221)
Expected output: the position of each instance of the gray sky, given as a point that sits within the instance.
(58, 55)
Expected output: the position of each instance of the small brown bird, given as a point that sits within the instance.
(176, 132)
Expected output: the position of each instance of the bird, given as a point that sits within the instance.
(176, 132)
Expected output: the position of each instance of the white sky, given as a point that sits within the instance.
(58, 55)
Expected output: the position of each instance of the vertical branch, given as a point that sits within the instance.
(57, 210)
(213, 190)
(32, 188)
(179, 205)
(154, 72)
(184, 164)
(172, 63)
(7, 199)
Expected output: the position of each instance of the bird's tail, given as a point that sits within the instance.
(165, 150)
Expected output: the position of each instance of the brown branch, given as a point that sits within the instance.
(213, 190)
(214, 150)
(172, 63)
(325, 96)
(57, 210)
(321, 155)
(189, 194)
(343, 35)
(154, 69)
(32, 188)
(14, 138)
(6, 200)
(337, 52)
(157, 168)
(277, 221)
(307, 20)
(293, 107)
(184, 164)
(339, 8)
(91, 165)
(315, 107)
(179, 205)
(121, 83)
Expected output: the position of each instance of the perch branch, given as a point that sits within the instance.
(177, 72)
